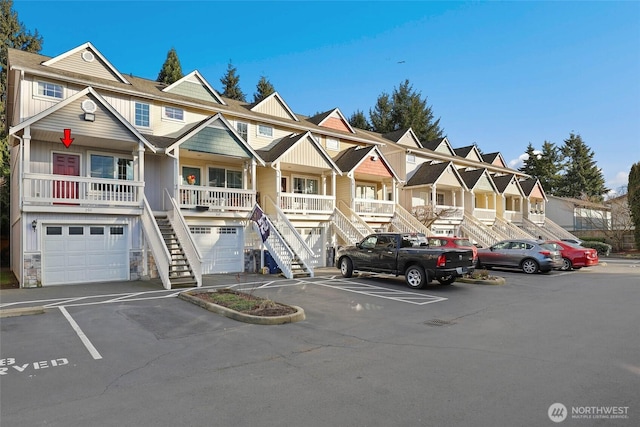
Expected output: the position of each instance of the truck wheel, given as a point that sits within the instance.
(346, 267)
(415, 277)
(447, 280)
(529, 266)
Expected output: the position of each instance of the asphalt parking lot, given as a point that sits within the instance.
(371, 352)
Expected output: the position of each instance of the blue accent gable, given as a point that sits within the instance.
(216, 141)
(194, 90)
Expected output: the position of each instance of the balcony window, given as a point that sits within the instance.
(439, 199)
(305, 185)
(366, 192)
(225, 178)
(103, 166)
(190, 171)
(243, 130)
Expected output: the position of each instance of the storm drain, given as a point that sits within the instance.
(438, 322)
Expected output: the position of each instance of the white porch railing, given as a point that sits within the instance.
(216, 198)
(537, 218)
(295, 203)
(154, 239)
(484, 215)
(479, 231)
(181, 229)
(405, 222)
(84, 191)
(558, 230)
(293, 238)
(360, 224)
(345, 228)
(370, 208)
(510, 230)
(513, 216)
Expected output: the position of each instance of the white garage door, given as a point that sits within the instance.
(222, 249)
(84, 253)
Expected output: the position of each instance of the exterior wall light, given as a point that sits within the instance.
(34, 224)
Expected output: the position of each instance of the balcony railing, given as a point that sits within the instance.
(216, 199)
(536, 217)
(369, 207)
(484, 214)
(44, 189)
(513, 216)
(306, 203)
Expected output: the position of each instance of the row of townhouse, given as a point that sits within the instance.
(167, 180)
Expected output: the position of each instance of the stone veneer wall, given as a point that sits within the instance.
(32, 271)
(135, 265)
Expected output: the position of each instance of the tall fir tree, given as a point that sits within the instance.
(633, 199)
(171, 70)
(405, 108)
(544, 165)
(231, 84)
(358, 120)
(16, 36)
(581, 177)
(264, 88)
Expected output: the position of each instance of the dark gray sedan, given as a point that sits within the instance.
(531, 256)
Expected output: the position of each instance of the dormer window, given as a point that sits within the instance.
(411, 158)
(173, 113)
(50, 90)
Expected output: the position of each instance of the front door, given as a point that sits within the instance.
(65, 164)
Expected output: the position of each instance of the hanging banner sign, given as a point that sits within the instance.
(261, 219)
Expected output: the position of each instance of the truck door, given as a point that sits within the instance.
(385, 253)
(364, 255)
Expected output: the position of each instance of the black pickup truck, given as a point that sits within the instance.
(394, 253)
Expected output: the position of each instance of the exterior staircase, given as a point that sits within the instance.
(404, 222)
(351, 232)
(549, 230)
(510, 230)
(481, 233)
(181, 274)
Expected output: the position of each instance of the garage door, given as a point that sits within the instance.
(222, 249)
(84, 253)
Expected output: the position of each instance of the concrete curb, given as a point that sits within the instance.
(23, 311)
(236, 315)
(497, 281)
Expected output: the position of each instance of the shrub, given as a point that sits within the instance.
(603, 249)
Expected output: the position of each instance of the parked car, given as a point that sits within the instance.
(573, 255)
(416, 239)
(574, 241)
(393, 253)
(529, 255)
(454, 242)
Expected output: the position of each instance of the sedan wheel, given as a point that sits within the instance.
(529, 266)
(415, 277)
(566, 264)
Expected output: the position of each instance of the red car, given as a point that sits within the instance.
(454, 242)
(575, 256)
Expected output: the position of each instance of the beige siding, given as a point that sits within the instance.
(158, 175)
(484, 184)
(343, 189)
(76, 64)
(408, 140)
(266, 186)
(512, 189)
(448, 177)
(305, 153)
(442, 148)
(32, 103)
(397, 162)
(273, 107)
(166, 127)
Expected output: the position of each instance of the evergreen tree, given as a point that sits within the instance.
(171, 70)
(14, 35)
(264, 88)
(633, 199)
(358, 120)
(230, 83)
(544, 165)
(404, 109)
(581, 177)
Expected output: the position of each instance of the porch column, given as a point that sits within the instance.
(453, 197)
(26, 150)
(253, 175)
(176, 174)
(433, 196)
(333, 187)
(245, 178)
(139, 158)
(324, 184)
(352, 185)
(494, 201)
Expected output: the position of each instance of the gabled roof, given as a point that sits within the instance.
(529, 184)
(401, 136)
(438, 144)
(323, 119)
(286, 144)
(349, 159)
(204, 124)
(195, 75)
(492, 158)
(573, 202)
(467, 151)
(87, 46)
(473, 176)
(280, 105)
(89, 90)
(503, 181)
(429, 173)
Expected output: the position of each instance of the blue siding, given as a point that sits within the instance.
(216, 141)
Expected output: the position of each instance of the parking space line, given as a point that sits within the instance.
(380, 292)
(92, 350)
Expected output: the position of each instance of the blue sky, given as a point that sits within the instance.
(499, 74)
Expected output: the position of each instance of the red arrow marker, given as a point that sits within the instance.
(67, 140)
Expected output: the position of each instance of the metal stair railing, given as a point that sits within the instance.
(345, 228)
(156, 243)
(510, 230)
(405, 222)
(355, 219)
(294, 240)
(182, 232)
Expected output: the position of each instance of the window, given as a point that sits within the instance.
(142, 114)
(76, 231)
(219, 177)
(439, 199)
(103, 166)
(333, 144)
(116, 230)
(243, 130)
(54, 231)
(50, 90)
(189, 171)
(305, 185)
(174, 113)
(96, 231)
(265, 130)
(365, 191)
(411, 158)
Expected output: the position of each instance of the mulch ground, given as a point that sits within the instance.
(262, 307)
